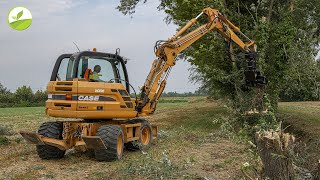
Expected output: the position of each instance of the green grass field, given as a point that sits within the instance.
(302, 116)
(303, 120)
(306, 110)
(188, 138)
(190, 145)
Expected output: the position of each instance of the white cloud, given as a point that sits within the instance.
(41, 7)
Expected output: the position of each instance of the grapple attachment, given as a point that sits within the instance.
(253, 76)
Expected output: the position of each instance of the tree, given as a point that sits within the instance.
(40, 97)
(24, 94)
(22, 97)
(3, 90)
(6, 97)
(287, 34)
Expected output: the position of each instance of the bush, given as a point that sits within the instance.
(4, 141)
(5, 130)
(23, 97)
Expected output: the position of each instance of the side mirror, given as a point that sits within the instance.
(125, 59)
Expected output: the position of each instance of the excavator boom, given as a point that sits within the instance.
(166, 52)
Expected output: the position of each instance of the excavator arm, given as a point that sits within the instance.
(166, 52)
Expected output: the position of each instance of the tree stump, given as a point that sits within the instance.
(274, 149)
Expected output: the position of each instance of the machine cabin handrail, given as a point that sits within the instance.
(168, 50)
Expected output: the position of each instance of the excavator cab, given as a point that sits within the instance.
(85, 65)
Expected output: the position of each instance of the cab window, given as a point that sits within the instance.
(65, 70)
(101, 69)
(121, 74)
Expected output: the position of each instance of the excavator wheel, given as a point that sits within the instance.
(50, 130)
(145, 139)
(112, 137)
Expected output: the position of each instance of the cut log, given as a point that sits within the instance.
(274, 150)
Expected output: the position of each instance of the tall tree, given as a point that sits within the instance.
(287, 34)
(3, 90)
(24, 94)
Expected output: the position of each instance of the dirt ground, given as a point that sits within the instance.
(189, 146)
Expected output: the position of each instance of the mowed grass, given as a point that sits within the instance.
(189, 146)
(302, 117)
(309, 111)
(303, 120)
(28, 118)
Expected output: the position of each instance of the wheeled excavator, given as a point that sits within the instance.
(92, 90)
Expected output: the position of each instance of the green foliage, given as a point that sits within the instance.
(5, 130)
(40, 97)
(287, 34)
(4, 140)
(186, 94)
(3, 90)
(128, 6)
(149, 167)
(24, 94)
(23, 97)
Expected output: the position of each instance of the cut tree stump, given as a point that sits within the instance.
(274, 149)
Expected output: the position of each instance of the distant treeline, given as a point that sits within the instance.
(186, 94)
(175, 94)
(25, 97)
(22, 97)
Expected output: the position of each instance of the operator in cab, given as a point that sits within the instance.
(95, 73)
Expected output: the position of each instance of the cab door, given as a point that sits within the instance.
(62, 90)
(92, 88)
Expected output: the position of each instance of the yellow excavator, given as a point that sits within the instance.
(92, 90)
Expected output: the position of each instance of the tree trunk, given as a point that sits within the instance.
(270, 11)
(274, 149)
(291, 5)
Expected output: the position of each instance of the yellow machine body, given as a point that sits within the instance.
(98, 100)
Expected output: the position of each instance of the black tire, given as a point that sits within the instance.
(109, 135)
(137, 145)
(50, 130)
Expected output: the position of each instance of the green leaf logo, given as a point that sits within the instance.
(19, 18)
(19, 15)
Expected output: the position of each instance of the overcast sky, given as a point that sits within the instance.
(27, 57)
